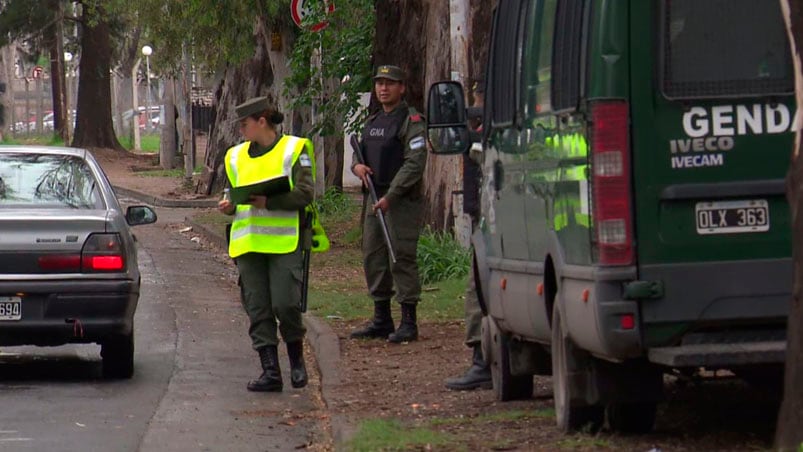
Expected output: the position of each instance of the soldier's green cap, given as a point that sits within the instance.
(251, 107)
(389, 72)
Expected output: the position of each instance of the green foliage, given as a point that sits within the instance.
(345, 47)
(391, 435)
(335, 205)
(219, 33)
(493, 418)
(24, 20)
(441, 257)
(148, 143)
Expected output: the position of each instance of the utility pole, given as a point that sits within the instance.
(134, 106)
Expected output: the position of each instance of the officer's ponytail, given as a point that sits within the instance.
(271, 115)
(275, 116)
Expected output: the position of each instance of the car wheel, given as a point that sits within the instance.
(506, 385)
(569, 416)
(117, 353)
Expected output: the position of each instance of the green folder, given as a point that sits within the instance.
(241, 195)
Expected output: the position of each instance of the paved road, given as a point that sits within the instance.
(193, 359)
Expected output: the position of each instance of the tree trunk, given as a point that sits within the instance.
(93, 127)
(480, 21)
(7, 98)
(789, 433)
(57, 79)
(423, 26)
(169, 135)
(253, 78)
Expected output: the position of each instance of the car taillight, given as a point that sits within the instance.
(610, 151)
(60, 263)
(102, 253)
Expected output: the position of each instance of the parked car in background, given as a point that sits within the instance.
(68, 259)
(48, 123)
(155, 114)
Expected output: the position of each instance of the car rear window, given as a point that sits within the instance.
(47, 181)
(724, 48)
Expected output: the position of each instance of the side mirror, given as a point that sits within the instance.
(446, 119)
(136, 215)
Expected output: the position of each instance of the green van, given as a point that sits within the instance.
(633, 212)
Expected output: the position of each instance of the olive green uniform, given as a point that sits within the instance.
(272, 283)
(405, 199)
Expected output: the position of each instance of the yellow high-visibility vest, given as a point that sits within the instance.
(262, 230)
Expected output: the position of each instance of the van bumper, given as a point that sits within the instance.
(719, 355)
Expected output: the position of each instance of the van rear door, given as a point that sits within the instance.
(712, 114)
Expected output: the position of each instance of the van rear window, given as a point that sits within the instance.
(724, 48)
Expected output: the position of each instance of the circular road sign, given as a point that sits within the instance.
(303, 8)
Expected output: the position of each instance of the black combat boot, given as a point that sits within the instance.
(380, 326)
(408, 329)
(271, 378)
(477, 376)
(298, 371)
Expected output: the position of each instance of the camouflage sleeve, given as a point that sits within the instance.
(415, 157)
(303, 190)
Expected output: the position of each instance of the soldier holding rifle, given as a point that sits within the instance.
(394, 155)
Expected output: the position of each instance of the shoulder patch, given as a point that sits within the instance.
(305, 161)
(415, 117)
(418, 143)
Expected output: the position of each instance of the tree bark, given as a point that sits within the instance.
(168, 138)
(7, 98)
(789, 433)
(423, 28)
(93, 127)
(253, 78)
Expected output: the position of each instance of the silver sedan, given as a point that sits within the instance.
(68, 260)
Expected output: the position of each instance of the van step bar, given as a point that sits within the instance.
(719, 355)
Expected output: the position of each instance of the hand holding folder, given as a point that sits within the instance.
(242, 194)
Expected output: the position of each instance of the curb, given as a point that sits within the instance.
(163, 202)
(322, 338)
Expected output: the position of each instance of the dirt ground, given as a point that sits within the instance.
(405, 383)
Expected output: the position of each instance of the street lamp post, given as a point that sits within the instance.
(67, 123)
(147, 51)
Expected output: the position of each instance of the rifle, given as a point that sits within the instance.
(374, 199)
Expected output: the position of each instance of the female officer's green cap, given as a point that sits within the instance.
(389, 72)
(251, 107)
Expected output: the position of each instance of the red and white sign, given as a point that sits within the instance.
(303, 8)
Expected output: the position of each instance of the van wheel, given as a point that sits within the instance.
(506, 385)
(117, 353)
(631, 417)
(567, 358)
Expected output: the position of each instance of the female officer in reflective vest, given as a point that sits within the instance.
(268, 235)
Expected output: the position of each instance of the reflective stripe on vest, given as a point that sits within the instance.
(263, 230)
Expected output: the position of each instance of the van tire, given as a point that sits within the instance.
(506, 385)
(569, 415)
(631, 418)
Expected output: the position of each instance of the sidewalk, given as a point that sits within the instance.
(322, 339)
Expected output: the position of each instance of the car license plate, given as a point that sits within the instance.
(10, 308)
(730, 217)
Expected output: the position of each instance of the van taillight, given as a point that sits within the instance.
(610, 151)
